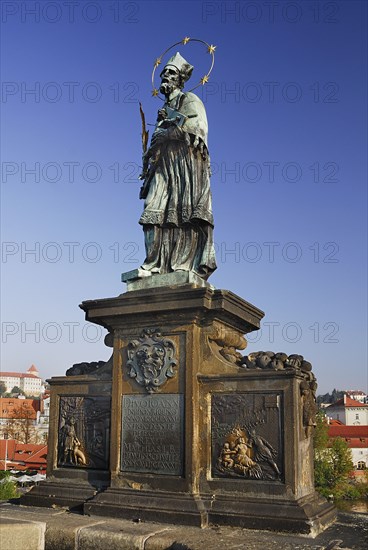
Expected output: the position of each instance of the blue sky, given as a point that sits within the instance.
(286, 104)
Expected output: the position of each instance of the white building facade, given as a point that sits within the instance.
(349, 411)
(29, 382)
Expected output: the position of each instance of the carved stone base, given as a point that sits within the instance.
(165, 507)
(309, 515)
(63, 492)
(199, 434)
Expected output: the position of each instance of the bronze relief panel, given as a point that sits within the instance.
(84, 432)
(246, 432)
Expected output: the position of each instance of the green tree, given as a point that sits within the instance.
(332, 461)
(322, 463)
(341, 459)
(320, 436)
(16, 389)
(21, 425)
(2, 388)
(8, 490)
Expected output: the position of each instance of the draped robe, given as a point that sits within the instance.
(177, 217)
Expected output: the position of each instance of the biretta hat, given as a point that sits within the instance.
(185, 69)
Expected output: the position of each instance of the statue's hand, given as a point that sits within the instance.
(161, 115)
(165, 134)
(160, 135)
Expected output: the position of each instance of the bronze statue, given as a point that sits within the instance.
(73, 454)
(177, 218)
(70, 441)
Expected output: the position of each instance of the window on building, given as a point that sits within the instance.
(361, 465)
(357, 416)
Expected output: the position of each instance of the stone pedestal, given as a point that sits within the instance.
(197, 435)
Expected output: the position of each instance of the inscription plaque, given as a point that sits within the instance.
(247, 436)
(152, 434)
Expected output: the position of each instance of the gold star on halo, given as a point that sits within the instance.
(211, 49)
(204, 79)
(185, 40)
(157, 62)
(155, 92)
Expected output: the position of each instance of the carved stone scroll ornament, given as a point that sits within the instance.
(275, 361)
(281, 361)
(101, 369)
(151, 359)
(227, 342)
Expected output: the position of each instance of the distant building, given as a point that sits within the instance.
(358, 395)
(34, 412)
(357, 440)
(29, 382)
(22, 457)
(43, 417)
(9, 405)
(348, 419)
(14, 408)
(349, 411)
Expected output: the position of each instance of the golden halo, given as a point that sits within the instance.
(210, 49)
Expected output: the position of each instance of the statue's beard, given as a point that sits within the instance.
(167, 88)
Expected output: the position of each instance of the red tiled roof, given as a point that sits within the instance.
(348, 431)
(14, 447)
(38, 456)
(334, 422)
(348, 403)
(355, 436)
(10, 447)
(32, 368)
(9, 405)
(12, 466)
(21, 456)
